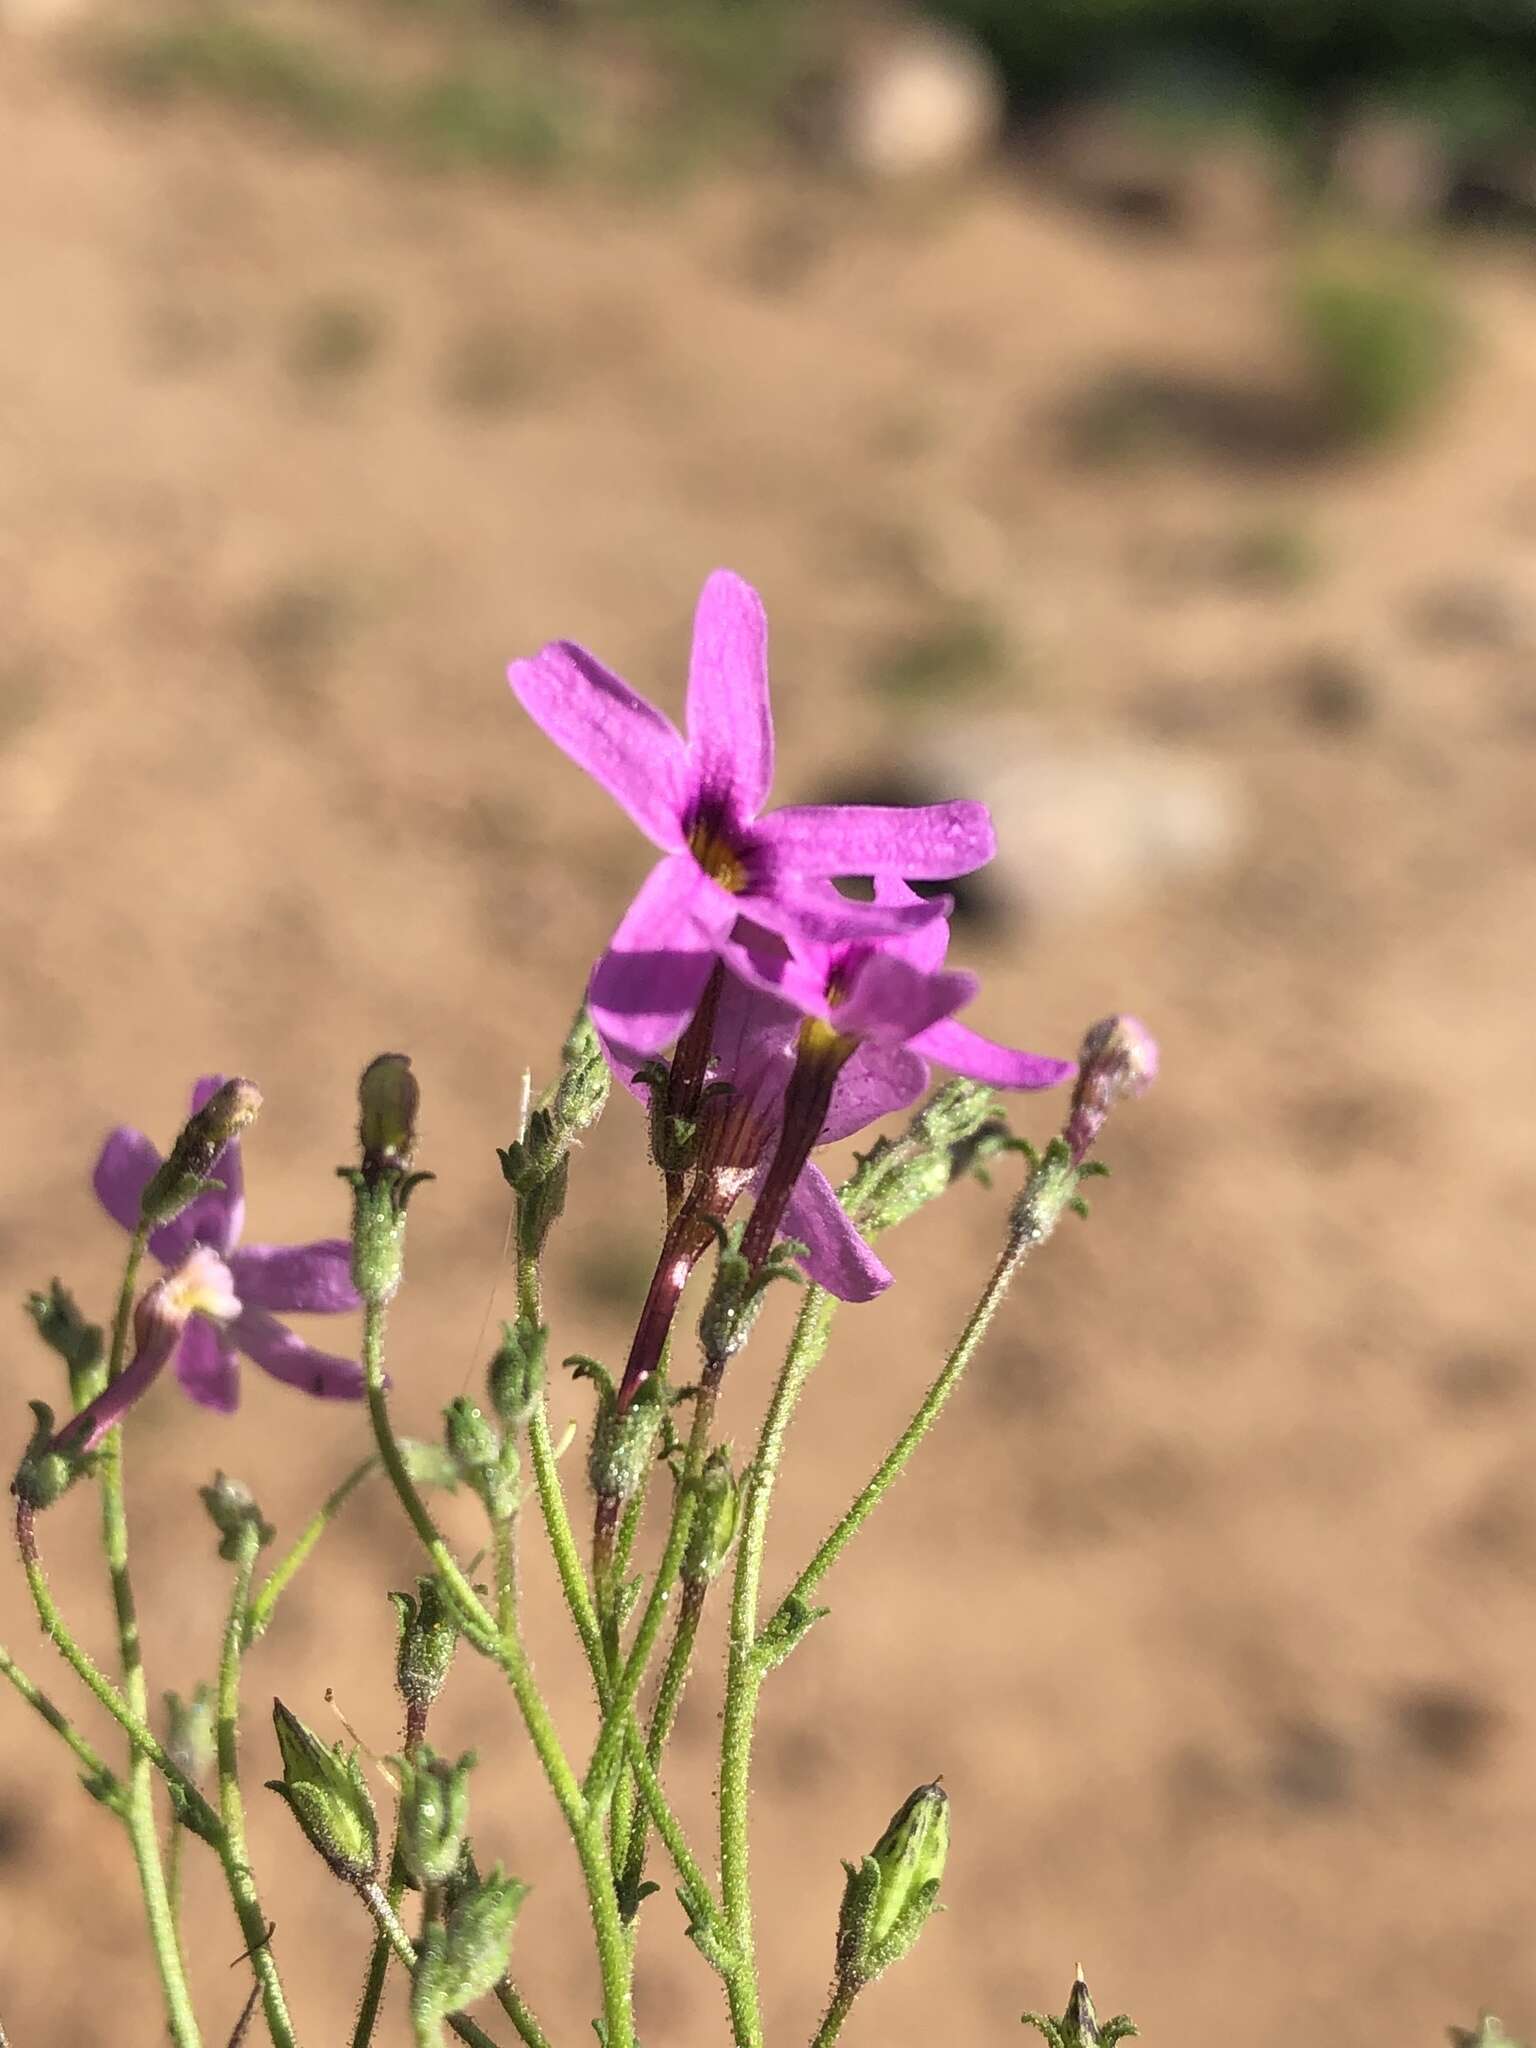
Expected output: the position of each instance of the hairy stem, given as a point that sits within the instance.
(838, 2008)
(745, 1671)
(101, 1778)
(259, 1614)
(233, 1851)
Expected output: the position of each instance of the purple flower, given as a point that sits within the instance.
(726, 866)
(312, 1278)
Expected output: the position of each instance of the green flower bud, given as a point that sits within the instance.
(184, 1175)
(581, 1093)
(1079, 2027)
(428, 1636)
(434, 1814)
(329, 1797)
(894, 1890)
(388, 1098)
(79, 1343)
(515, 1377)
(731, 1307)
(900, 1175)
(715, 1515)
(190, 1737)
(463, 1959)
(232, 1510)
(623, 1444)
(45, 1473)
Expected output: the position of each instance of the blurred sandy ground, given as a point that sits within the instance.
(1212, 1600)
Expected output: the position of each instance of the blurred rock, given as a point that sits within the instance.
(1219, 187)
(1468, 612)
(1332, 691)
(915, 100)
(1447, 1724)
(1310, 1766)
(1092, 827)
(1392, 166)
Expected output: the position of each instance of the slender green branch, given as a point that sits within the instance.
(104, 1782)
(894, 1462)
(198, 1813)
(276, 1582)
(480, 1629)
(388, 1919)
(233, 1852)
(139, 1804)
(745, 1671)
(669, 1694)
(838, 2009)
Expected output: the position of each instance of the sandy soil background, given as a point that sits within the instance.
(1212, 1601)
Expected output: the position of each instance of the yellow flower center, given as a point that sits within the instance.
(717, 858)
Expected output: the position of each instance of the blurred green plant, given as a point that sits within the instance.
(1382, 341)
(229, 56)
(496, 118)
(961, 650)
(333, 339)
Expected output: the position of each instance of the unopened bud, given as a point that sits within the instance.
(79, 1343)
(731, 1307)
(428, 1636)
(901, 1175)
(1118, 1061)
(465, 1957)
(1489, 2033)
(895, 1889)
(483, 1461)
(182, 1177)
(623, 1441)
(434, 1814)
(329, 1797)
(1078, 2026)
(233, 1511)
(515, 1377)
(389, 1097)
(47, 1469)
(716, 1512)
(189, 1732)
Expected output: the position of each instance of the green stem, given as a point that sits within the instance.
(517, 2011)
(1014, 1253)
(395, 1935)
(669, 1694)
(745, 1670)
(276, 1582)
(507, 1651)
(195, 1809)
(107, 1781)
(838, 2009)
(233, 1852)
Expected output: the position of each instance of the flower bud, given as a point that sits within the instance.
(463, 1959)
(715, 1515)
(581, 1093)
(1078, 2026)
(389, 1097)
(428, 1636)
(1118, 1061)
(894, 1890)
(434, 1814)
(731, 1307)
(623, 1441)
(79, 1343)
(232, 1510)
(190, 1737)
(899, 1176)
(515, 1377)
(329, 1797)
(183, 1176)
(47, 1469)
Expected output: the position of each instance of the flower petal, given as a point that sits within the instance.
(316, 1278)
(730, 722)
(926, 842)
(288, 1358)
(124, 1167)
(623, 743)
(892, 1002)
(980, 1059)
(648, 983)
(207, 1367)
(837, 1258)
(87, 1429)
(877, 1080)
